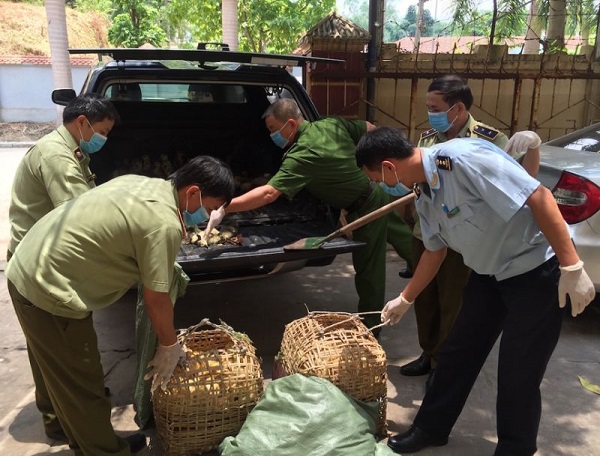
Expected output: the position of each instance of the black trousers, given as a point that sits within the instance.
(524, 309)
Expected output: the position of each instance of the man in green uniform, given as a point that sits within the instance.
(320, 158)
(83, 256)
(52, 172)
(448, 100)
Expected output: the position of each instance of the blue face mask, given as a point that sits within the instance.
(197, 217)
(95, 143)
(397, 190)
(278, 138)
(439, 120)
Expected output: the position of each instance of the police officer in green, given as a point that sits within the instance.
(83, 256)
(448, 101)
(52, 172)
(320, 157)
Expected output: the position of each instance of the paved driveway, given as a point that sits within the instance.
(261, 308)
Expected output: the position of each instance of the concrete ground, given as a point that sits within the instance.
(261, 308)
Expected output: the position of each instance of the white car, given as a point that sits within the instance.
(570, 167)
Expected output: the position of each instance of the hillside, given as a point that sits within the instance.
(24, 29)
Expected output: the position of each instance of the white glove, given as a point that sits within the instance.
(521, 141)
(163, 364)
(216, 217)
(395, 309)
(575, 282)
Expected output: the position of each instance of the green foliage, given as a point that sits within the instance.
(264, 25)
(136, 22)
(103, 6)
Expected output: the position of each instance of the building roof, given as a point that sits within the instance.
(42, 60)
(464, 44)
(334, 27)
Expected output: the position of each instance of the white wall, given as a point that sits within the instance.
(25, 91)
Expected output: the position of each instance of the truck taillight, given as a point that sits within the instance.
(578, 198)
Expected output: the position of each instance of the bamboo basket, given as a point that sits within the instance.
(209, 397)
(341, 349)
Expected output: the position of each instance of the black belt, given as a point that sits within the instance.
(361, 200)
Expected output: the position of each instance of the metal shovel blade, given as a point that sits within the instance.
(311, 243)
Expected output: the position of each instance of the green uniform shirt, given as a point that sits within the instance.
(471, 129)
(52, 172)
(85, 254)
(323, 161)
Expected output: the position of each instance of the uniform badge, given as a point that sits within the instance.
(486, 132)
(450, 212)
(444, 163)
(428, 133)
(79, 155)
(417, 190)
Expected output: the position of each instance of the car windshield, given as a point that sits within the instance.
(589, 141)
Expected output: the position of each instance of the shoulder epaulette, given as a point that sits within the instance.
(444, 162)
(485, 131)
(428, 133)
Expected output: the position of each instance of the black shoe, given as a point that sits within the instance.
(137, 442)
(419, 366)
(58, 435)
(429, 381)
(414, 440)
(405, 273)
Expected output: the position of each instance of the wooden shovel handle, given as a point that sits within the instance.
(377, 213)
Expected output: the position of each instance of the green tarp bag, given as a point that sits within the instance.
(145, 346)
(300, 416)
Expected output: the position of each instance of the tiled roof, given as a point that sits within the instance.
(463, 44)
(336, 26)
(42, 60)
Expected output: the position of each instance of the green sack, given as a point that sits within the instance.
(145, 345)
(300, 416)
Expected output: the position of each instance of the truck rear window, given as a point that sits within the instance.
(176, 92)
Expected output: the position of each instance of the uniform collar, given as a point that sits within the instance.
(430, 168)
(467, 130)
(70, 141)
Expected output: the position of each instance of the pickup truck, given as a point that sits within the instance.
(176, 104)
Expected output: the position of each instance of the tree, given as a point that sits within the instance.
(263, 26)
(59, 45)
(136, 22)
(556, 17)
(229, 21)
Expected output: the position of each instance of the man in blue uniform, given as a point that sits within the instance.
(475, 199)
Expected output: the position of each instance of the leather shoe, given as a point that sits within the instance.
(419, 366)
(414, 440)
(137, 442)
(405, 273)
(58, 435)
(429, 381)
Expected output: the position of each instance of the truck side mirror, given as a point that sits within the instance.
(63, 96)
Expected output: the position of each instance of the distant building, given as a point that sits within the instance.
(466, 44)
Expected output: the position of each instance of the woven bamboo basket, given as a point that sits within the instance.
(341, 349)
(209, 397)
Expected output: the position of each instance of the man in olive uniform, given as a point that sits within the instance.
(320, 158)
(52, 172)
(448, 100)
(83, 256)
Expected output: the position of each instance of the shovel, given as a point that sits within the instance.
(316, 242)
